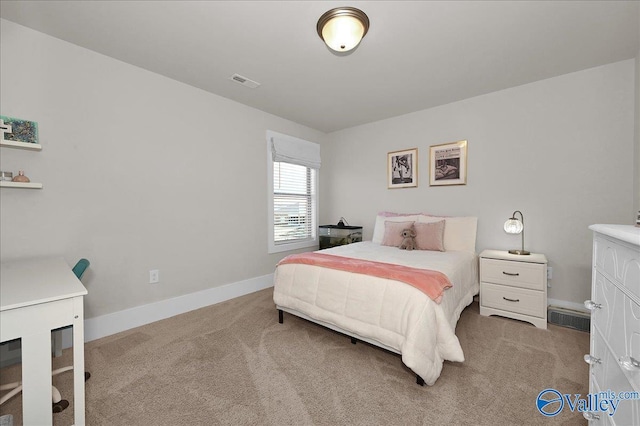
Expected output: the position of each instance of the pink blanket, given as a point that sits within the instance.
(431, 283)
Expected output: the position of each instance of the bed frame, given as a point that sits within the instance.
(354, 337)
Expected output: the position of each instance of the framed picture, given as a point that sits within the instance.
(448, 164)
(18, 130)
(402, 168)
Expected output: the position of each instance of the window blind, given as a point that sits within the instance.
(288, 149)
(295, 164)
(293, 202)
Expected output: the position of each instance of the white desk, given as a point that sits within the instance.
(37, 296)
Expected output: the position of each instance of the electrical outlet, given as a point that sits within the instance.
(549, 272)
(154, 276)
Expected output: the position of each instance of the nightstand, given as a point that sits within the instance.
(514, 286)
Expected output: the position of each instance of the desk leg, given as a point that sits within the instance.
(78, 361)
(36, 379)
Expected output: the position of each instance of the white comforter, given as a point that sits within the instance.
(391, 313)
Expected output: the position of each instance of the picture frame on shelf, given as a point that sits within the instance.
(18, 130)
(448, 164)
(402, 168)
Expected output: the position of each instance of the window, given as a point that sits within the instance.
(293, 202)
(293, 181)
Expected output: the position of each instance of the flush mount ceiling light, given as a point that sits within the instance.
(342, 28)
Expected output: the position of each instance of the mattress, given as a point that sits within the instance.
(389, 313)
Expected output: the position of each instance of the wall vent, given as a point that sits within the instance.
(569, 318)
(244, 81)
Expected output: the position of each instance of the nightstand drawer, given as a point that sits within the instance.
(522, 301)
(516, 274)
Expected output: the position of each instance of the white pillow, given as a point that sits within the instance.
(459, 232)
(378, 230)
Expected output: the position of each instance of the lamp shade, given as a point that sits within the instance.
(343, 28)
(513, 226)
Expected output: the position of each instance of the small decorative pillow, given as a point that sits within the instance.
(393, 232)
(381, 218)
(430, 236)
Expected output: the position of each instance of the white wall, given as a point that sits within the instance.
(559, 150)
(140, 172)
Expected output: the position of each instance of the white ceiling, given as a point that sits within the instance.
(417, 54)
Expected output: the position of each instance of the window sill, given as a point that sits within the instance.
(279, 248)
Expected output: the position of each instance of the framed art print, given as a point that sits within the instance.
(18, 130)
(448, 164)
(402, 168)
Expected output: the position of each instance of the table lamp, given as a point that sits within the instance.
(516, 226)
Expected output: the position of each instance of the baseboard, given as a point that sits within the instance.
(106, 325)
(568, 305)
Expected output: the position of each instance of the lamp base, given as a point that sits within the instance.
(520, 252)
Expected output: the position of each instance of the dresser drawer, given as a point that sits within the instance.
(511, 299)
(632, 325)
(619, 262)
(603, 293)
(515, 274)
(594, 388)
(613, 378)
(599, 351)
(617, 319)
(603, 419)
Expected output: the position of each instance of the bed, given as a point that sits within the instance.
(383, 310)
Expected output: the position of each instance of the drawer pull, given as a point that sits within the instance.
(629, 363)
(510, 300)
(592, 360)
(511, 274)
(591, 305)
(590, 416)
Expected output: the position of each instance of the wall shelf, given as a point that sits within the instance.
(21, 185)
(21, 145)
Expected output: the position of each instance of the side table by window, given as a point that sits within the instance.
(335, 235)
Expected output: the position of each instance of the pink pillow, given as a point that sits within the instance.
(430, 236)
(393, 232)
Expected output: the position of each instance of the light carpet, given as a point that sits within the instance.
(233, 364)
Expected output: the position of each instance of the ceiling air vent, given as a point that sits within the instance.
(244, 81)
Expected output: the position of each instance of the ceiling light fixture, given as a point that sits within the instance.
(342, 28)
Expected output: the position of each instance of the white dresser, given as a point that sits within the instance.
(514, 286)
(614, 356)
